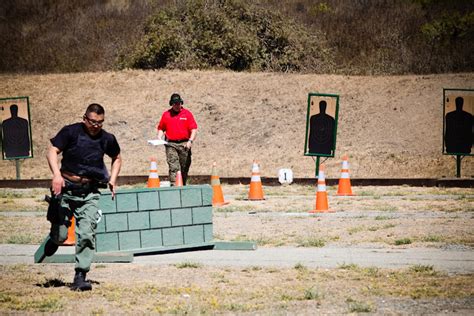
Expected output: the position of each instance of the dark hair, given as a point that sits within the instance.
(95, 108)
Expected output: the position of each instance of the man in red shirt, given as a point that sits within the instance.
(179, 128)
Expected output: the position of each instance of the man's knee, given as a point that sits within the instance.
(58, 233)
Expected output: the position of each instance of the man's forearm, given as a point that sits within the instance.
(52, 157)
(115, 170)
(193, 135)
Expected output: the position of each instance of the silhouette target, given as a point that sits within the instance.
(16, 132)
(321, 131)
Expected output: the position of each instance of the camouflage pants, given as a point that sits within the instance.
(178, 157)
(84, 208)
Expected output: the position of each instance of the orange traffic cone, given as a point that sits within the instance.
(71, 234)
(321, 194)
(344, 187)
(256, 189)
(179, 179)
(153, 179)
(217, 196)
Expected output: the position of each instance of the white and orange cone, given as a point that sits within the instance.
(153, 179)
(256, 189)
(217, 195)
(179, 179)
(344, 187)
(321, 194)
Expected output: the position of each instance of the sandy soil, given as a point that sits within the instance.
(390, 126)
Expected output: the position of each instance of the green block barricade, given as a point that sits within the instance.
(156, 219)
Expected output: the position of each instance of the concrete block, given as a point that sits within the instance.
(202, 215)
(181, 217)
(129, 240)
(206, 192)
(160, 219)
(138, 220)
(127, 202)
(173, 236)
(106, 204)
(148, 201)
(193, 234)
(170, 198)
(151, 238)
(116, 222)
(107, 242)
(101, 225)
(208, 235)
(191, 197)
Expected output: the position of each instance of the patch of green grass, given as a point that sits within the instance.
(432, 238)
(387, 208)
(358, 307)
(241, 197)
(348, 266)
(382, 218)
(21, 239)
(366, 193)
(186, 265)
(46, 305)
(11, 195)
(312, 242)
(300, 267)
(403, 241)
(370, 271)
(388, 226)
(312, 294)
(424, 269)
(356, 229)
(233, 208)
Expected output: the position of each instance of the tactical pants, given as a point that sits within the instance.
(84, 207)
(178, 157)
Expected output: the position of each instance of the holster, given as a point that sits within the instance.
(54, 215)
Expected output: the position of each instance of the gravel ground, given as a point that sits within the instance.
(400, 221)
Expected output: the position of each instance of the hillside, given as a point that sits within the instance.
(390, 126)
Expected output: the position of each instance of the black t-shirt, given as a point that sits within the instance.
(82, 153)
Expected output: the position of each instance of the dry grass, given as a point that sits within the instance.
(171, 289)
(281, 220)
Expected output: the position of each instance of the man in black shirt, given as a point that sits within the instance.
(75, 184)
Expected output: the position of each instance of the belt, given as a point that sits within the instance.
(177, 141)
(75, 178)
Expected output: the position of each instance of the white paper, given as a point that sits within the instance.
(157, 142)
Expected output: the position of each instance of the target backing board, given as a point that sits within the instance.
(16, 128)
(458, 128)
(321, 124)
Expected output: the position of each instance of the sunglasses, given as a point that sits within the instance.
(94, 122)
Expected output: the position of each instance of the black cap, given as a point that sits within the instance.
(175, 98)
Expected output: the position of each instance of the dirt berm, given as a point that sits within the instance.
(391, 127)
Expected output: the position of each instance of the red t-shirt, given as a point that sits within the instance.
(177, 126)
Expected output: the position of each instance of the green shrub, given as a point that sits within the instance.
(403, 241)
(229, 34)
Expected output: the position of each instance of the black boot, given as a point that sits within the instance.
(80, 283)
(50, 248)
